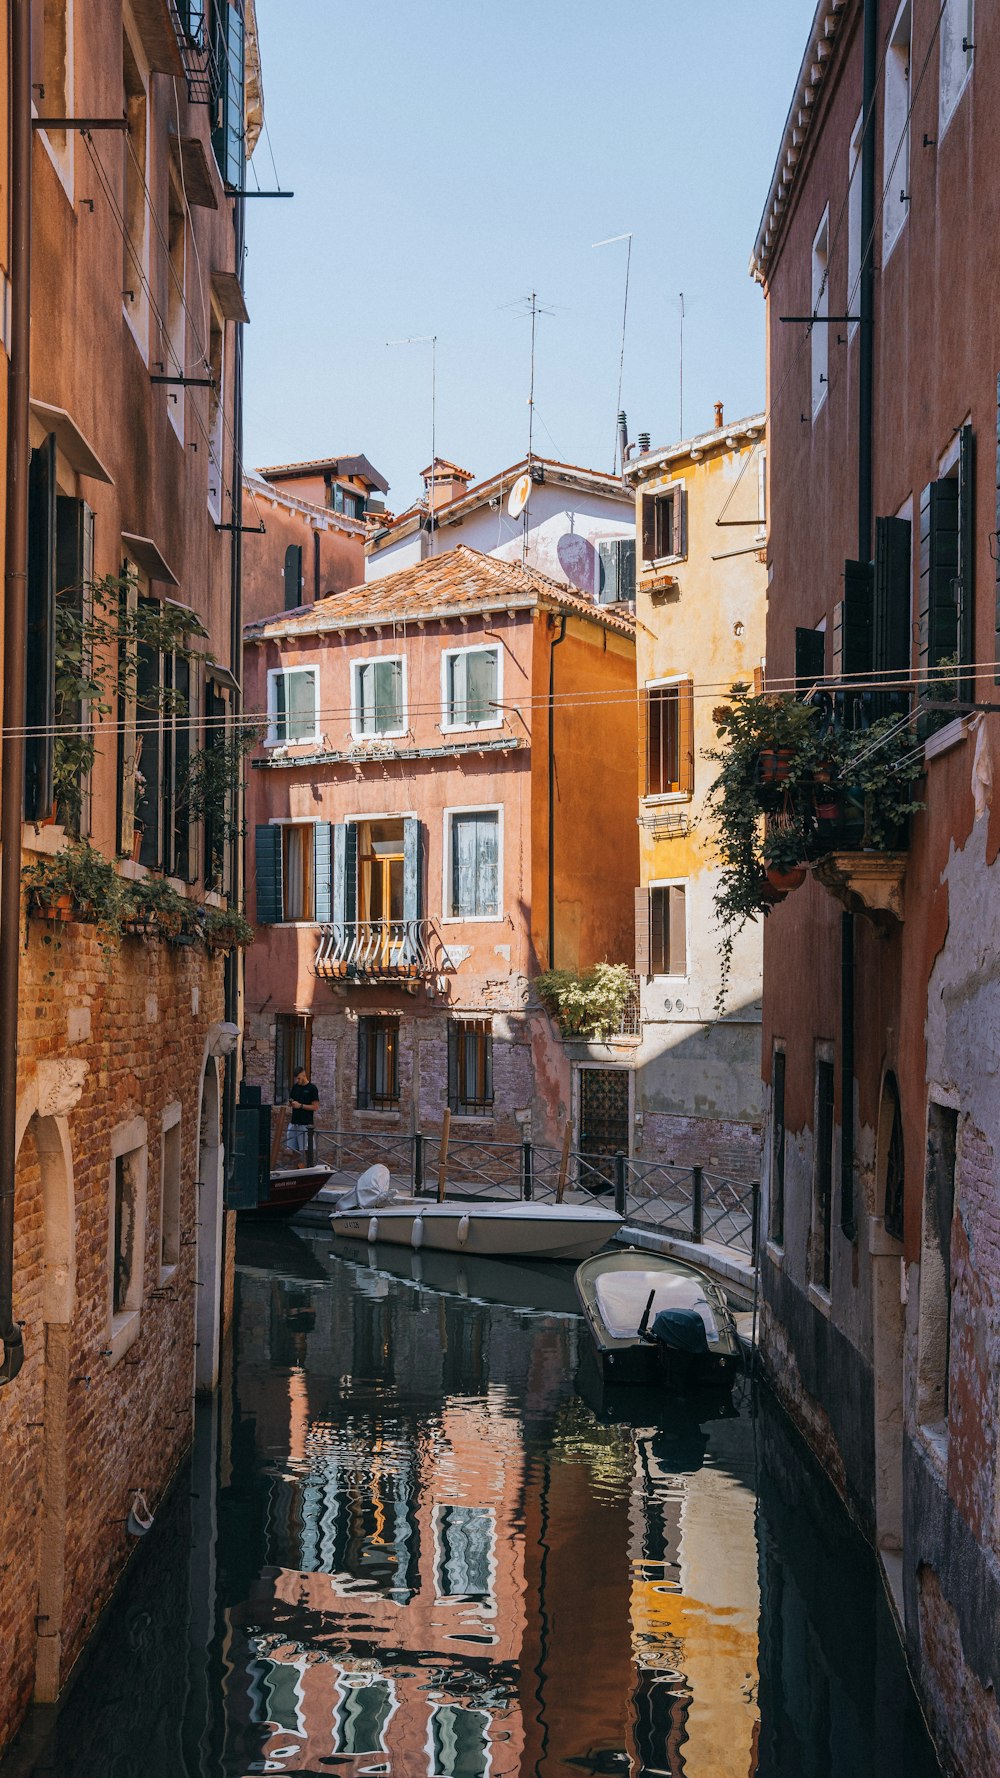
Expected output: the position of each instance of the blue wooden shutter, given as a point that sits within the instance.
(268, 862)
(323, 870)
(412, 897)
(345, 872)
(40, 639)
(626, 568)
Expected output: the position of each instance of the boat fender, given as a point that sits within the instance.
(373, 1228)
(462, 1232)
(417, 1233)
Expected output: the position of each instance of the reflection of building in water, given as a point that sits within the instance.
(694, 1607)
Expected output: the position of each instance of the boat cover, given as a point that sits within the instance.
(681, 1330)
(622, 1297)
(371, 1192)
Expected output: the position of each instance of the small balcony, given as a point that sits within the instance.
(404, 952)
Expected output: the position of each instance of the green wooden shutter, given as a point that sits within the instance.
(268, 873)
(677, 930)
(454, 1038)
(966, 589)
(647, 508)
(938, 573)
(608, 557)
(412, 896)
(626, 568)
(680, 522)
(40, 638)
(362, 1094)
(810, 657)
(891, 624)
(323, 870)
(293, 576)
(247, 1180)
(856, 656)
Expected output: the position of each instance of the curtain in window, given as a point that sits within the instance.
(475, 860)
(297, 706)
(297, 874)
(472, 687)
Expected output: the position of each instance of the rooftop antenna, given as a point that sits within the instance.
(682, 363)
(533, 306)
(621, 358)
(427, 339)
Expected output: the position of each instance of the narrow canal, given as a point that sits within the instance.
(415, 1538)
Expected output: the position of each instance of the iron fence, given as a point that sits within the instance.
(693, 1203)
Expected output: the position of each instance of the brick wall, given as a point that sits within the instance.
(140, 1018)
(727, 1147)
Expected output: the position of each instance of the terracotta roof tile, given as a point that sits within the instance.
(460, 580)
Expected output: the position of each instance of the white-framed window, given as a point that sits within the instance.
(958, 42)
(458, 1742)
(292, 705)
(464, 1552)
(170, 1191)
(668, 946)
(126, 1232)
(473, 863)
(471, 687)
(896, 130)
(819, 332)
(378, 697)
(854, 223)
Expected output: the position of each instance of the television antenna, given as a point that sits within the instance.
(530, 305)
(427, 339)
(611, 239)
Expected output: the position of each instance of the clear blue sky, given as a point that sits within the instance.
(447, 157)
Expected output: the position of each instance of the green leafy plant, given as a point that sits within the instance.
(780, 818)
(588, 1003)
(151, 905)
(208, 788)
(84, 877)
(225, 928)
(99, 628)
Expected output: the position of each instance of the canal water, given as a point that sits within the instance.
(417, 1538)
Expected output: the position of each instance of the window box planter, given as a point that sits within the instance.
(868, 883)
(58, 907)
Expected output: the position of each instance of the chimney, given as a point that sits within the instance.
(623, 440)
(450, 482)
(719, 421)
(644, 440)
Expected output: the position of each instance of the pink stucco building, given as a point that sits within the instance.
(440, 807)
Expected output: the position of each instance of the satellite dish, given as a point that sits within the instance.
(580, 563)
(519, 496)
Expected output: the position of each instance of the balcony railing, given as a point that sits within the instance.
(378, 951)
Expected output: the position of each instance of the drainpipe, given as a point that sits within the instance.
(866, 379)
(234, 958)
(552, 791)
(14, 636)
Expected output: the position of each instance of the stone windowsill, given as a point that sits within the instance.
(934, 1438)
(776, 1255)
(124, 1332)
(821, 1300)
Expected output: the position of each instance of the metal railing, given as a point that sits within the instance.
(691, 1203)
(377, 951)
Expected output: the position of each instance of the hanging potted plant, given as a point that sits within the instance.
(784, 851)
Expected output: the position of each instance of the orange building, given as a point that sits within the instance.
(122, 272)
(440, 808)
(305, 526)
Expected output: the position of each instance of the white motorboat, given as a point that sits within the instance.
(539, 1231)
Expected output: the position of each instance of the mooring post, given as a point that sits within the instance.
(697, 1205)
(443, 1156)
(418, 1163)
(527, 1165)
(620, 1183)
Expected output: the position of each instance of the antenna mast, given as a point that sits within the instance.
(621, 356)
(427, 339)
(682, 368)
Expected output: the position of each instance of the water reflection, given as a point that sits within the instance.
(441, 1548)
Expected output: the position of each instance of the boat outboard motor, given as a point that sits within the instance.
(371, 1192)
(681, 1331)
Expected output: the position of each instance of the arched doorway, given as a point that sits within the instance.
(208, 1270)
(888, 1318)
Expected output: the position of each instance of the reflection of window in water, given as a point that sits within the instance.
(660, 1707)
(465, 1536)
(362, 1713)
(459, 1743)
(363, 1526)
(276, 1696)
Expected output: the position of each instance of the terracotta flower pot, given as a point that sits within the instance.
(774, 764)
(769, 895)
(60, 908)
(786, 880)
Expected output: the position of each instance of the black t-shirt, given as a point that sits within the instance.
(303, 1099)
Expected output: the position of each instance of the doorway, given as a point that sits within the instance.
(603, 1117)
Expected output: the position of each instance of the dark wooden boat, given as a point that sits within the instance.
(287, 1189)
(653, 1318)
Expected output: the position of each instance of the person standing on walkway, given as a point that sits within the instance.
(304, 1100)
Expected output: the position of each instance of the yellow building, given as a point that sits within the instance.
(700, 609)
